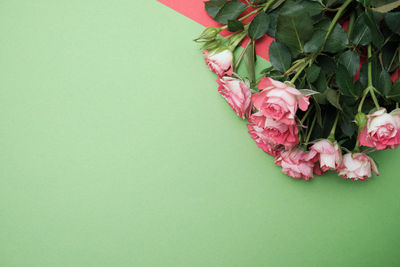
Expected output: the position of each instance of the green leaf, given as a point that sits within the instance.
(318, 111)
(377, 3)
(388, 7)
(392, 20)
(389, 53)
(213, 6)
(327, 64)
(321, 83)
(329, 3)
(361, 34)
(313, 8)
(364, 2)
(377, 36)
(294, 26)
(315, 42)
(333, 97)
(266, 70)
(376, 70)
(280, 56)
(350, 106)
(337, 40)
(395, 92)
(249, 61)
(230, 10)
(235, 25)
(347, 127)
(351, 61)
(384, 83)
(358, 89)
(273, 18)
(312, 73)
(344, 81)
(321, 98)
(259, 25)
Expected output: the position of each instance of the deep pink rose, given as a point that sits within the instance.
(237, 94)
(276, 131)
(219, 61)
(382, 130)
(297, 163)
(279, 101)
(329, 154)
(357, 166)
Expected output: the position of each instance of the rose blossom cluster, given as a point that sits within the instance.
(274, 126)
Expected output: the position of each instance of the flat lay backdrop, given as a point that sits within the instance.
(117, 150)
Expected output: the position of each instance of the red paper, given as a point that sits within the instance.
(194, 9)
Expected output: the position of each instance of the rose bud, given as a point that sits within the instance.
(277, 132)
(237, 94)
(329, 154)
(357, 166)
(297, 164)
(382, 130)
(279, 101)
(211, 45)
(219, 61)
(208, 34)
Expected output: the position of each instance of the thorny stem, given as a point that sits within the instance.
(268, 4)
(334, 21)
(370, 86)
(362, 100)
(306, 115)
(242, 54)
(298, 73)
(251, 13)
(292, 67)
(357, 146)
(310, 130)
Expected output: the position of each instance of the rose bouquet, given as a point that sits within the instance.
(331, 93)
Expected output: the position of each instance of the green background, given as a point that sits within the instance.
(117, 150)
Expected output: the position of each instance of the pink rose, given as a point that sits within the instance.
(296, 163)
(219, 61)
(262, 141)
(357, 166)
(237, 94)
(279, 101)
(276, 131)
(382, 130)
(329, 154)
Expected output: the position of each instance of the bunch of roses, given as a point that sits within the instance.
(348, 56)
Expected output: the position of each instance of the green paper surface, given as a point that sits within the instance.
(117, 150)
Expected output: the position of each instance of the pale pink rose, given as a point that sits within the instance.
(382, 130)
(297, 163)
(279, 101)
(262, 140)
(219, 61)
(237, 94)
(329, 154)
(276, 131)
(357, 166)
